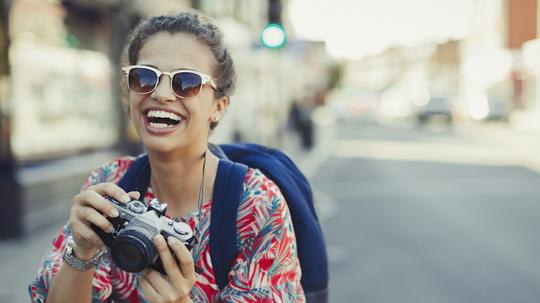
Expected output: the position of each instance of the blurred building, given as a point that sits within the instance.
(488, 71)
(484, 61)
(60, 114)
(523, 39)
(501, 63)
(268, 79)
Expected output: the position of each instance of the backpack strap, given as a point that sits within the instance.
(228, 189)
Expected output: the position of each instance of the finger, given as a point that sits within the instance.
(159, 283)
(92, 216)
(96, 201)
(112, 190)
(184, 257)
(134, 195)
(168, 260)
(149, 291)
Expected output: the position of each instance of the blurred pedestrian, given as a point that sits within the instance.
(300, 115)
(180, 77)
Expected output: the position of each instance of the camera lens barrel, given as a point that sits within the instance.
(133, 250)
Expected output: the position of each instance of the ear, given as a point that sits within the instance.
(220, 106)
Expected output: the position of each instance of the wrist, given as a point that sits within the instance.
(84, 253)
(79, 262)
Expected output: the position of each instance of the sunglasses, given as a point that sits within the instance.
(144, 79)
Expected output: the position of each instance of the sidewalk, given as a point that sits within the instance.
(47, 193)
(19, 259)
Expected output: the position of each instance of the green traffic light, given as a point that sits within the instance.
(273, 36)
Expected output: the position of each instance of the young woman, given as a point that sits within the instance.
(180, 77)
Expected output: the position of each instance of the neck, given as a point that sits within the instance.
(176, 179)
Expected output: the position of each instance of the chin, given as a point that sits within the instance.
(160, 145)
(168, 145)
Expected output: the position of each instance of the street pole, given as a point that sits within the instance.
(11, 203)
(196, 4)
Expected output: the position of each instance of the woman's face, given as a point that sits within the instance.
(169, 52)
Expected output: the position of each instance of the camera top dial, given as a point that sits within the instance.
(137, 207)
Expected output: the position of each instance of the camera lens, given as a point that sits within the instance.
(133, 250)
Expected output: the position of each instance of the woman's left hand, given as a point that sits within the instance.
(180, 279)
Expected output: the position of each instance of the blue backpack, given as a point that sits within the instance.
(233, 165)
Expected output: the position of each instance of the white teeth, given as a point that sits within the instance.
(163, 114)
(159, 125)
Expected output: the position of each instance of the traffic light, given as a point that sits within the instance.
(273, 34)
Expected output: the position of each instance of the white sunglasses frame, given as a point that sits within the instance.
(204, 78)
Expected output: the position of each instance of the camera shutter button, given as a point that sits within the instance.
(181, 228)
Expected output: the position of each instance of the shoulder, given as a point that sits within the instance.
(111, 171)
(261, 202)
(258, 186)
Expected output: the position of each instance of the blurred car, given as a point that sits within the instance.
(498, 109)
(481, 107)
(435, 107)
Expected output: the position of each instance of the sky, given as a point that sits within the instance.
(354, 28)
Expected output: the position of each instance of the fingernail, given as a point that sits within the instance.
(110, 229)
(126, 198)
(114, 213)
(172, 240)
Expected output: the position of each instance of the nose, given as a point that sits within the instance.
(163, 91)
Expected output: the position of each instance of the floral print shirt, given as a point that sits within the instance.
(266, 269)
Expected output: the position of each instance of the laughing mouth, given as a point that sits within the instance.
(162, 119)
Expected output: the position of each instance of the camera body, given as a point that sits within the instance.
(131, 244)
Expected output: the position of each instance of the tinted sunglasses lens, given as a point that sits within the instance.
(142, 80)
(186, 84)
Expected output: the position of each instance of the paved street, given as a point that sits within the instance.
(414, 219)
(410, 215)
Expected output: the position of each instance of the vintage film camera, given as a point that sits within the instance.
(131, 244)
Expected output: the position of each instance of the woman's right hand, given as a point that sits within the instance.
(91, 207)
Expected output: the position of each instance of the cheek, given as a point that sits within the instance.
(200, 108)
(208, 105)
(134, 103)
